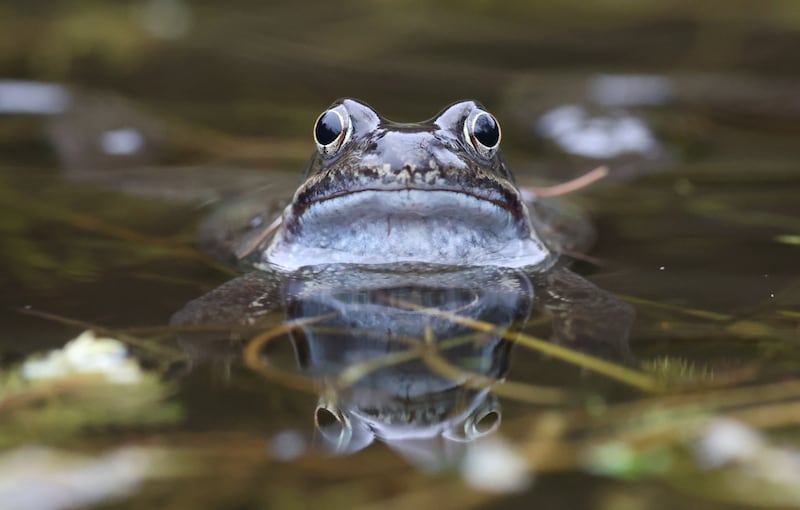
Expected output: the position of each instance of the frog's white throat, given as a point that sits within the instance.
(424, 226)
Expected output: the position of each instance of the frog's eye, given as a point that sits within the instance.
(482, 132)
(332, 130)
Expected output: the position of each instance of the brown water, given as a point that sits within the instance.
(696, 111)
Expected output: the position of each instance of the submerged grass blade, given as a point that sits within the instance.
(620, 373)
(41, 209)
(260, 364)
(430, 351)
(260, 238)
(357, 371)
(628, 376)
(728, 214)
(528, 393)
(162, 352)
(693, 312)
(667, 411)
(788, 239)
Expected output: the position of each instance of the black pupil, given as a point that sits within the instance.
(486, 130)
(328, 129)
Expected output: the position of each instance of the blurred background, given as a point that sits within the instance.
(121, 122)
(260, 68)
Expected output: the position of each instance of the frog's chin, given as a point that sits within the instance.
(411, 225)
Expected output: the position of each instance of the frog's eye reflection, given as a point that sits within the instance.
(332, 130)
(484, 424)
(482, 132)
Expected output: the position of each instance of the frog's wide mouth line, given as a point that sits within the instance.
(500, 202)
(501, 195)
(437, 197)
(412, 205)
(406, 225)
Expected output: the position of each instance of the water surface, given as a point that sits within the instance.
(695, 112)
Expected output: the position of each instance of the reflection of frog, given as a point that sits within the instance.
(423, 213)
(383, 320)
(382, 316)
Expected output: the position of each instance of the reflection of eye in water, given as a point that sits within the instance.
(349, 430)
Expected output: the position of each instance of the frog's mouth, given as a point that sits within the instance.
(380, 226)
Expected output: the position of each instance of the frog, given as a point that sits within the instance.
(419, 198)
(397, 232)
(380, 192)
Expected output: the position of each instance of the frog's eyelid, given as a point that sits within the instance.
(453, 116)
(363, 117)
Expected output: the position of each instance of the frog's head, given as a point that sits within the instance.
(378, 191)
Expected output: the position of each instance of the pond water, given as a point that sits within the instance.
(122, 125)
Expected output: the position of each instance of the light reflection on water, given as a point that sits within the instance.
(31, 97)
(597, 137)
